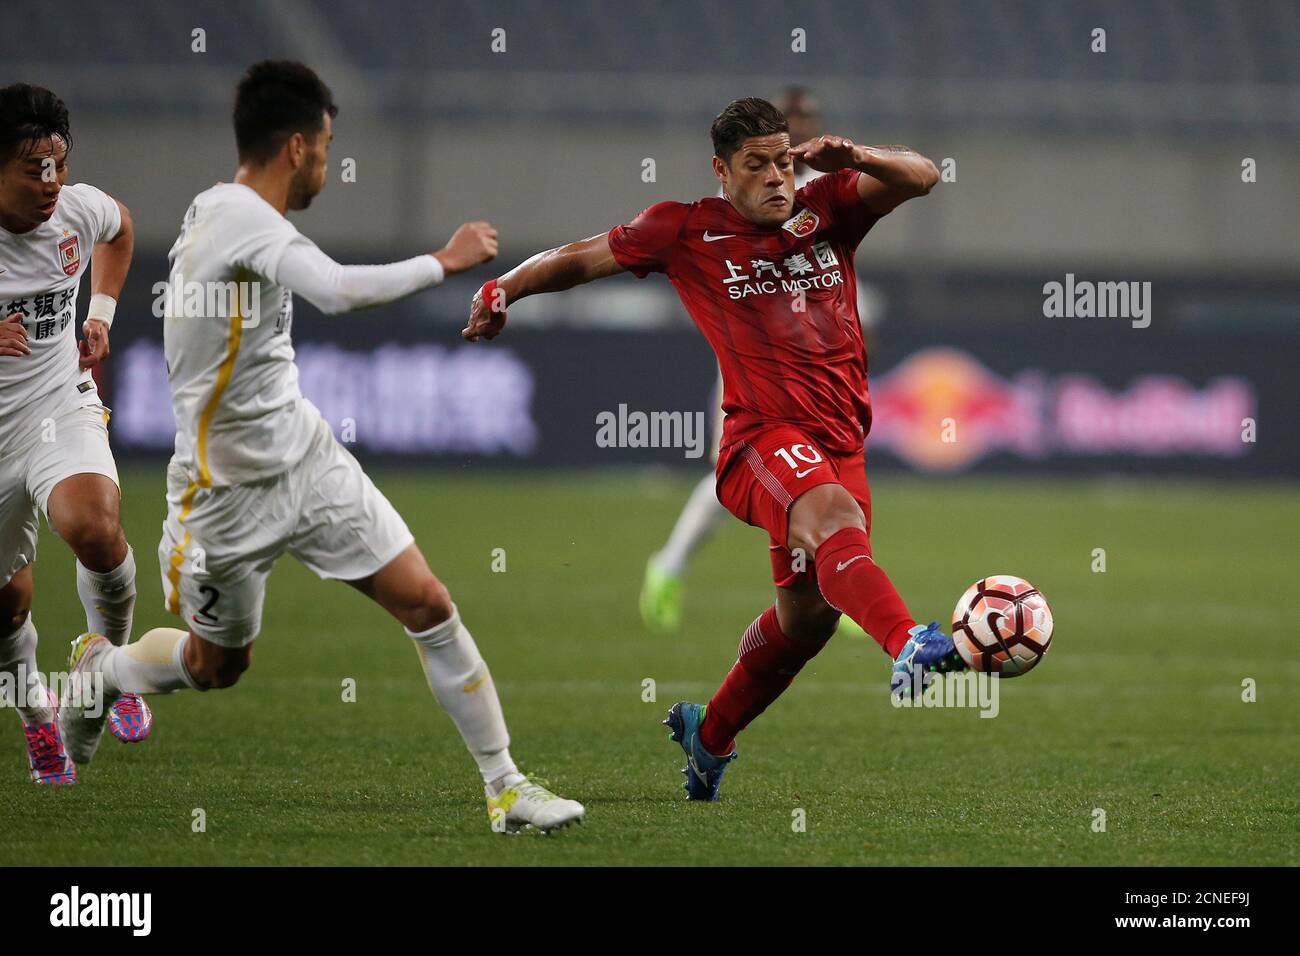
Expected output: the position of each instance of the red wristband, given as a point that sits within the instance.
(488, 292)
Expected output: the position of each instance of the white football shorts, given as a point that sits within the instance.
(74, 442)
(218, 544)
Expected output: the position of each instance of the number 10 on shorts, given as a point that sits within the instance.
(806, 454)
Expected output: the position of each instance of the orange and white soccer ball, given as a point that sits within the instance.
(1002, 625)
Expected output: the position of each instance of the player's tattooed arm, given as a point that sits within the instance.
(894, 174)
(108, 268)
(551, 271)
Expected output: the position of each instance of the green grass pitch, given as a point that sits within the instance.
(1136, 711)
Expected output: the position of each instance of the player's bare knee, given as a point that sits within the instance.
(849, 516)
(820, 513)
(430, 606)
(96, 540)
(221, 674)
(214, 667)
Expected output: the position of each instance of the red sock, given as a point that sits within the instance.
(766, 666)
(850, 580)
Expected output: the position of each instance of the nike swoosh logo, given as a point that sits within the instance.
(708, 238)
(470, 688)
(806, 471)
(844, 564)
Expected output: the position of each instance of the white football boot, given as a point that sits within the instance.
(527, 803)
(82, 707)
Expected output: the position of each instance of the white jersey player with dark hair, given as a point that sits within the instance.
(258, 473)
(54, 452)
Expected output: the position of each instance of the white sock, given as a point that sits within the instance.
(109, 598)
(18, 663)
(697, 522)
(494, 787)
(460, 681)
(155, 664)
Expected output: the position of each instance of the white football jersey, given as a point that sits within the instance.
(40, 272)
(240, 415)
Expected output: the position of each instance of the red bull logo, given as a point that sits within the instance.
(942, 410)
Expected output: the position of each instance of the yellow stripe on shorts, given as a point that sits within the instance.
(224, 372)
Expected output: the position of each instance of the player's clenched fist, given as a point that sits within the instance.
(13, 336)
(93, 349)
(826, 153)
(487, 313)
(471, 244)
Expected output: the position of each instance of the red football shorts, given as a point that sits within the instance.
(759, 479)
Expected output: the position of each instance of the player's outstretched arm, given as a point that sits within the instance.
(335, 288)
(894, 174)
(109, 264)
(551, 271)
(474, 243)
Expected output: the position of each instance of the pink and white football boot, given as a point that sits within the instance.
(130, 719)
(50, 761)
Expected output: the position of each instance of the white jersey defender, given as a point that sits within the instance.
(53, 424)
(257, 471)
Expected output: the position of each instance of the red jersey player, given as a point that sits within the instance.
(766, 272)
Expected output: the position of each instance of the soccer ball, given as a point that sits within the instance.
(1002, 625)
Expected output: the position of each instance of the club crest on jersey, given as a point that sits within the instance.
(70, 254)
(802, 225)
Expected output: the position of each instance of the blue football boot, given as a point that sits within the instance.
(703, 770)
(928, 650)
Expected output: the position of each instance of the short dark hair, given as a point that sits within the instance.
(742, 119)
(274, 100)
(29, 114)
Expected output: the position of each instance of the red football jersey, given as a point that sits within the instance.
(740, 282)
